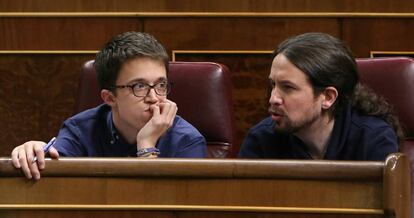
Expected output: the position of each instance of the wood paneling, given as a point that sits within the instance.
(164, 214)
(365, 35)
(37, 93)
(233, 33)
(62, 33)
(208, 5)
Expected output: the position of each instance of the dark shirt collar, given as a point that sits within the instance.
(299, 149)
(112, 132)
(339, 134)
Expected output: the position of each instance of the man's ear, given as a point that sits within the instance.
(330, 94)
(108, 97)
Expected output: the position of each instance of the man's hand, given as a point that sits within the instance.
(163, 115)
(23, 158)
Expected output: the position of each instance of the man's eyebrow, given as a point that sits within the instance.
(141, 80)
(162, 79)
(286, 82)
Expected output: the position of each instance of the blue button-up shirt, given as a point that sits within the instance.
(92, 134)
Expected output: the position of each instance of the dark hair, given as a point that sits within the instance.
(366, 101)
(326, 61)
(122, 47)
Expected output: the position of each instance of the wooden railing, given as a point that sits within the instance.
(130, 187)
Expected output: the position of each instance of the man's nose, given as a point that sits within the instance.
(275, 98)
(151, 95)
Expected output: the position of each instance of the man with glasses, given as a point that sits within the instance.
(137, 119)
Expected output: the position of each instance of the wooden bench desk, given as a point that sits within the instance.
(132, 187)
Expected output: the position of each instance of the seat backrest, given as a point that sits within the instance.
(393, 78)
(202, 91)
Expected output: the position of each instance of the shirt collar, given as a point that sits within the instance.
(339, 133)
(112, 132)
(115, 140)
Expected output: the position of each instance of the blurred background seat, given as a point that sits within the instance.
(393, 78)
(202, 91)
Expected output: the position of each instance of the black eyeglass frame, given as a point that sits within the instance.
(147, 86)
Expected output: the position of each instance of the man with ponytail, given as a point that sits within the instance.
(318, 110)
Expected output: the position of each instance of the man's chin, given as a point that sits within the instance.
(283, 129)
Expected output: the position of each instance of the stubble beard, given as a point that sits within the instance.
(290, 127)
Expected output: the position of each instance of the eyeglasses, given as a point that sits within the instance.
(143, 89)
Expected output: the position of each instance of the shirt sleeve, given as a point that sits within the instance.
(68, 141)
(194, 148)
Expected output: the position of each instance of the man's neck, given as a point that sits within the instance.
(316, 136)
(128, 134)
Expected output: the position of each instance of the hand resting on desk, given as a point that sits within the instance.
(23, 157)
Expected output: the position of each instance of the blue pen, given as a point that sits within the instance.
(46, 148)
